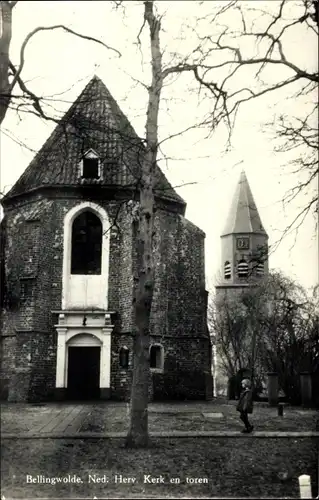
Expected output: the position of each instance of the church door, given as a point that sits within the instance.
(83, 372)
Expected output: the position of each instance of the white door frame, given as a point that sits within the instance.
(91, 335)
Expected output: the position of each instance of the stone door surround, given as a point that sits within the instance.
(83, 328)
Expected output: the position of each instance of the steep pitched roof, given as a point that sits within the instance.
(93, 121)
(243, 216)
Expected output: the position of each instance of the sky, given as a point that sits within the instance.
(205, 174)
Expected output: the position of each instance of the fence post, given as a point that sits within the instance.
(305, 486)
(306, 389)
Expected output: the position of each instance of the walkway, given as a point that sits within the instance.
(111, 420)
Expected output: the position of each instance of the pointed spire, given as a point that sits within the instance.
(243, 215)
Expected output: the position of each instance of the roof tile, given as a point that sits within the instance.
(93, 121)
(243, 216)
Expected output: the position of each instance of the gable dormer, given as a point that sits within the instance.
(90, 165)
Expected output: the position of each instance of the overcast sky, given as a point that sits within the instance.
(59, 63)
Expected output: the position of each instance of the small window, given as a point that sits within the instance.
(124, 357)
(90, 165)
(90, 168)
(157, 357)
(26, 289)
(227, 270)
(242, 269)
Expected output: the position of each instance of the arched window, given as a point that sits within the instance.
(86, 250)
(157, 357)
(227, 270)
(124, 357)
(242, 269)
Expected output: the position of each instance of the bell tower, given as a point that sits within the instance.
(244, 252)
(244, 260)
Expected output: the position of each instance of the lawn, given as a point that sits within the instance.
(173, 468)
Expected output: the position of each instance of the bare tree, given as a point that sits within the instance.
(11, 77)
(272, 327)
(138, 432)
(234, 320)
(226, 99)
(271, 68)
(290, 333)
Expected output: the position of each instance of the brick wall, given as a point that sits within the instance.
(33, 268)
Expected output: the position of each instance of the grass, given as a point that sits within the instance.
(239, 467)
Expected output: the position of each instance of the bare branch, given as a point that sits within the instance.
(36, 100)
(51, 28)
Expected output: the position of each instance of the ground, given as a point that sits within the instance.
(174, 467)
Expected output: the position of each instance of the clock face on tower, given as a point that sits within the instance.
(242, 243)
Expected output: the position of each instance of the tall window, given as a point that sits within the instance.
(260, 269)
(124, 357)
(86, 244)
(242, 269)
(227, 270)
(157, 357)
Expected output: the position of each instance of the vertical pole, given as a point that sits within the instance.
(306, 388)
(272, 389)
(60, 359)
(305, 486)
(60, 377)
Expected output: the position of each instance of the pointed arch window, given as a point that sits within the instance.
(227, 270)
(86, 250)
(242, 269)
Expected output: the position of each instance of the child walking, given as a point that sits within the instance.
(245, 404)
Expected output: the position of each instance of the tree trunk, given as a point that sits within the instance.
(138, 432)
(5, 39)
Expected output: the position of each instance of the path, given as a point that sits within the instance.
(111, 419)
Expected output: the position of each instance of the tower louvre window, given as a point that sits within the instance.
(242, 269)
(227, 270)
(260, 269)
(86, 244)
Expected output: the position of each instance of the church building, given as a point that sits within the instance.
(69, 268)
(244, 243)
(244, 257)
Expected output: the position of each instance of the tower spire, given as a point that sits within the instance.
(243, 216)
(244, 240)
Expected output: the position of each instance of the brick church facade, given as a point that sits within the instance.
(68, 269)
